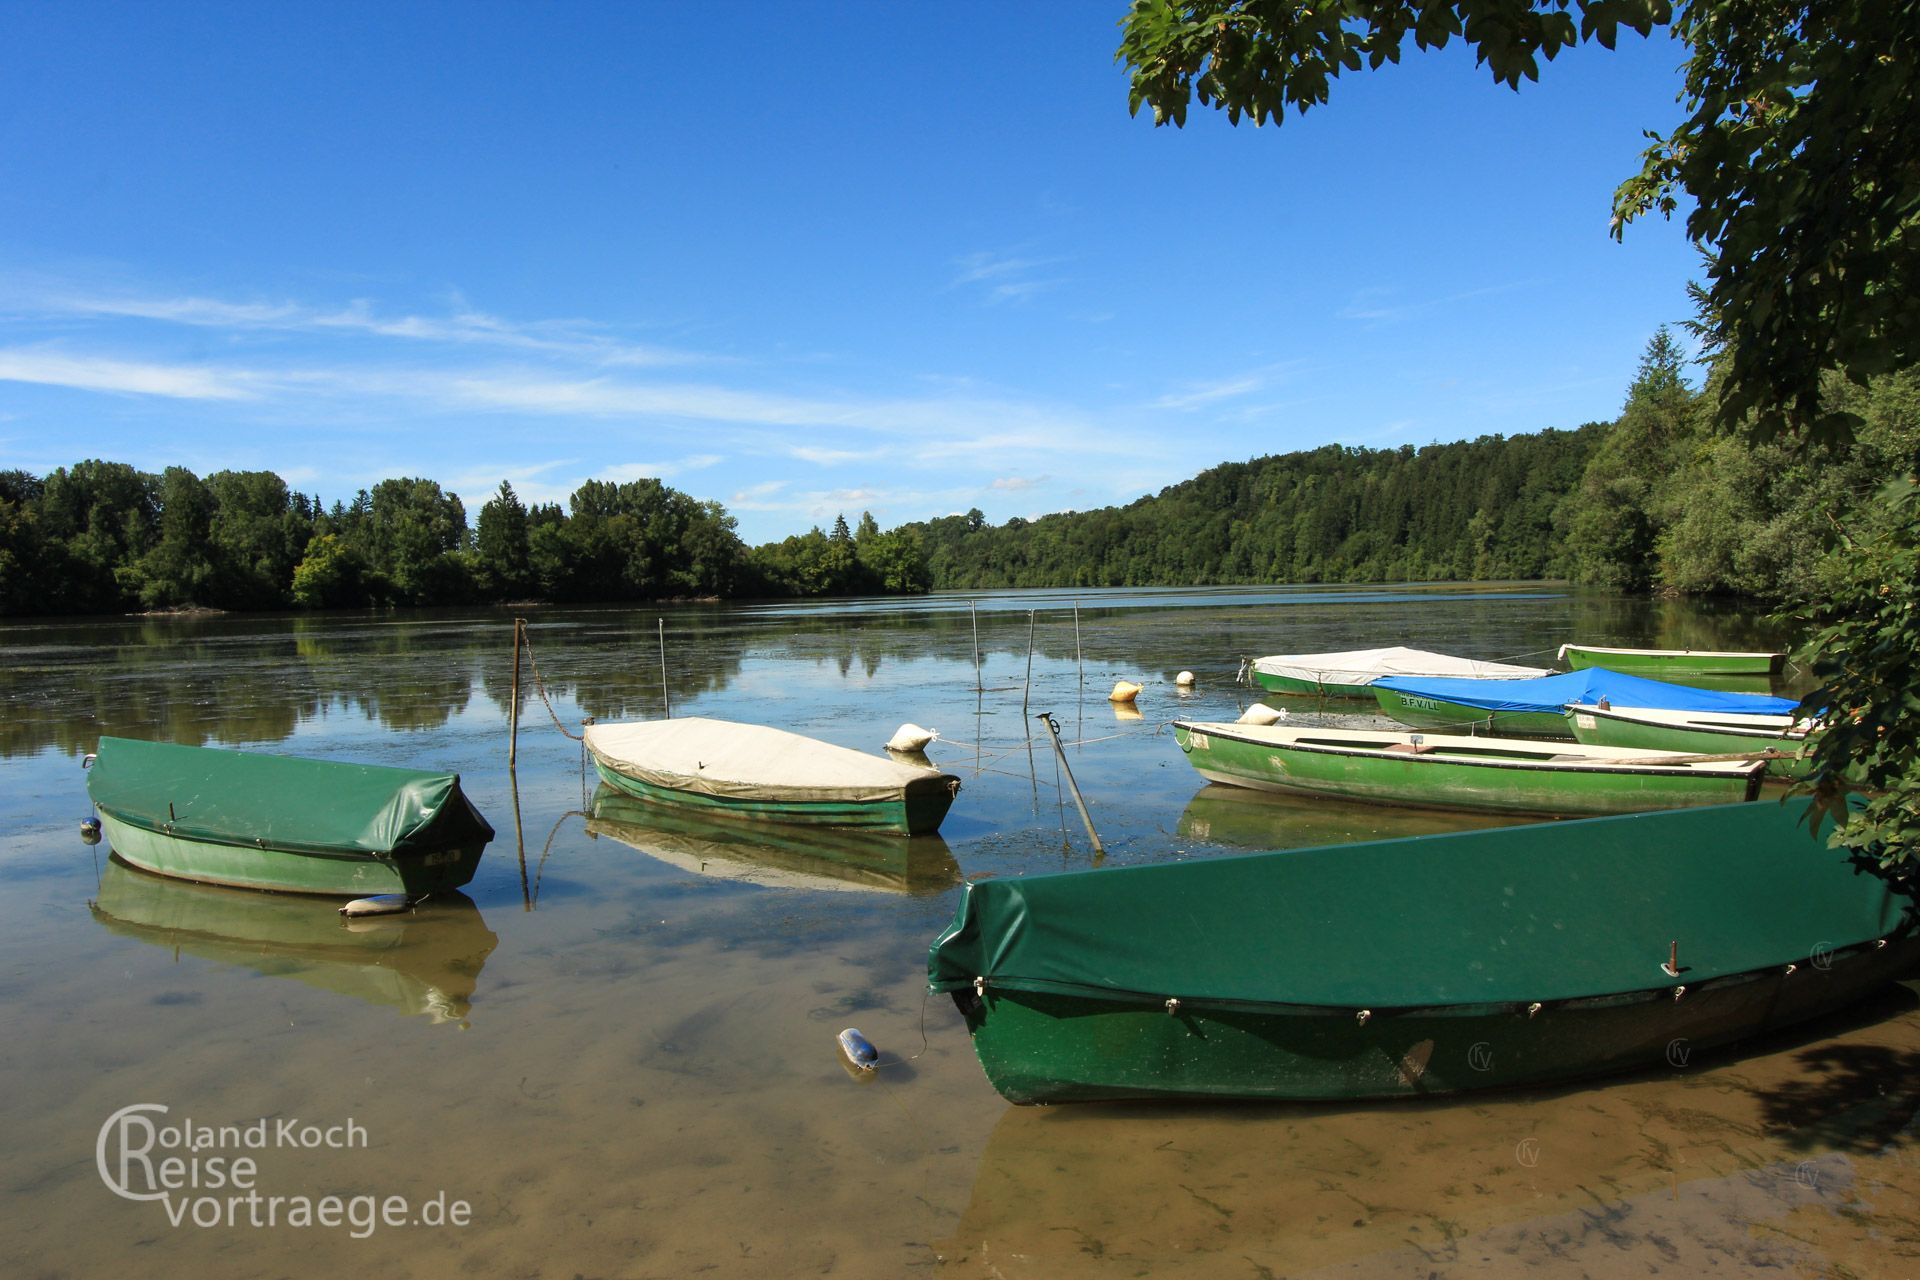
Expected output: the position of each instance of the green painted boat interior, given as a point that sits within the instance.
(213, 796)
(1553, 912)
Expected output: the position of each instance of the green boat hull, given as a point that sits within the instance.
(918, 810)
(1289, 686)
(1520, 956)
(1682, 666)
(1047, 1048)
(1494, 785)
(1608, 731)
(414, 872)
(1422, 712)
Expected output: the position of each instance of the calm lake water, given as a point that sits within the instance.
(618, 1047)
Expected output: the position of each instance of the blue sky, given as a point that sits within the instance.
(799, 258)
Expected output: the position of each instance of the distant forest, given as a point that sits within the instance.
(1651, 501)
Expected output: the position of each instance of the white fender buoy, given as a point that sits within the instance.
(1124, 691)
(1184, 679)
(911, 737)
(859, 1050)
(1260, 713)
(382, 904)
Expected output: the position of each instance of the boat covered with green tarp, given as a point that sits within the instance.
(262, 821)
(1418, 966)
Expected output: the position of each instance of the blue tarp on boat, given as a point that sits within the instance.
(1552, 693)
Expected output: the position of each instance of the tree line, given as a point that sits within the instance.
(1656, 500)
(104, 537)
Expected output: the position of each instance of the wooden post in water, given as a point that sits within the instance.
(666, 703)
(1026, 692)
(513, 709)
(979, 685)
(520, 842)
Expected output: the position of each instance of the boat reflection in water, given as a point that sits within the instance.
(1722, 1164)
(425, 962)
(778, 854)
(1248, 819)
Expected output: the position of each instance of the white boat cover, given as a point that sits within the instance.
(748, 762)
(1364, 666)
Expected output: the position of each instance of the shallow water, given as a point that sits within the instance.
(618, 1047)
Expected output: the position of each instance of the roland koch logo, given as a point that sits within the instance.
(209, 1176)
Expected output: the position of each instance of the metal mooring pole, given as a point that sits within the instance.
(513, 711)
(1053, 731)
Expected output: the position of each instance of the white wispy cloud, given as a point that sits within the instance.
(827, 457)
(461, 326)
(1200, 395)
(1378, 305)
(49, 367)
(1004, 277)
(626, 471)
(1016, 484)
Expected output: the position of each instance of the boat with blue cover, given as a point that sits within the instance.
(1536, 708)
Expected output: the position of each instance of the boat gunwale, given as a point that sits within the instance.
(781, 793)
(1728, 769)
(1769, 654)
(965, 991)
(1639, 716)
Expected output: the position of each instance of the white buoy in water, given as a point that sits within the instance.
(911, 737)
(1184, 679)
(1259, 713)
(1124, 691)
(383, 904)
(859, 1050)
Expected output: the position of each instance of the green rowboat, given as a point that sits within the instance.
(1351, 674)
(1424, 711)
(1491, 774)
(1682, 665)
(1486, 959)
(257, 821)
(718, 768)
(1784, 740)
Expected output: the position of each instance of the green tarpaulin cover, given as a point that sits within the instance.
(283, 802)
(1554, 911)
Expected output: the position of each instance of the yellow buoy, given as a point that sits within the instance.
(1124, 691)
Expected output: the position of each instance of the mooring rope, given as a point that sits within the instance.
(540, 687)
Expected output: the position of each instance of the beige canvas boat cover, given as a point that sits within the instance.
(1364, 666)
(748, 761)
